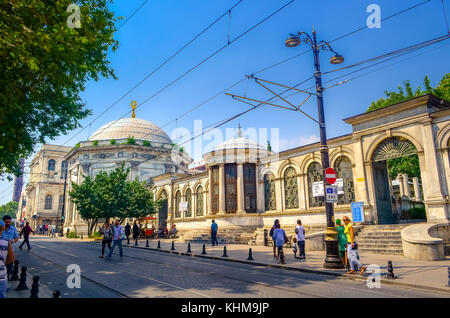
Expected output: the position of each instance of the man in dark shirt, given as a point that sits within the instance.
(26, 233)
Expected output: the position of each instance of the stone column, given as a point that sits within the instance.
(401, 185)
(406, 185)
(259, 191)
(240, 189)
(279, 194)
(221, 188)
(436, 204)
(417, 193)
(209, 194)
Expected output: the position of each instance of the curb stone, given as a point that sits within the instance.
(446, 288)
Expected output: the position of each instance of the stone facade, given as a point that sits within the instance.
(286, 182)
(44, 192)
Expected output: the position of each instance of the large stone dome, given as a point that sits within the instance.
(137, 128)
(239, 142)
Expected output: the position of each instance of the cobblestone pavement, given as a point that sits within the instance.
(148, 273)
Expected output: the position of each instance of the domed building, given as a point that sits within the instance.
(144, 148)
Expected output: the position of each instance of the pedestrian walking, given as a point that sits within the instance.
(280, 239)
(135, 231)
(53, 230)
(271, 235)
(10, 235)
(342, 238)
(295, 249)
(6, 258)
(107, 233)
(117, 239)
(300, 231)
(26, 234)
(352, 247)
(127, 230)
(213, 231)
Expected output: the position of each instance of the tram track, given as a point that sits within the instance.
(214, 274)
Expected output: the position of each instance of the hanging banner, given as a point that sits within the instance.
(340, 185)
(183, 206)
(317, 189)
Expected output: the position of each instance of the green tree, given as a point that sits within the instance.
(442, 90)
(45, 64)
(111, 195)
(410, 164)
(10, 209)
(85, 197)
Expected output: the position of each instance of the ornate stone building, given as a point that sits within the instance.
(246, 185)
(142, 146)
(44, 192)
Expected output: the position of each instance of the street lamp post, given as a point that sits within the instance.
(332, 259)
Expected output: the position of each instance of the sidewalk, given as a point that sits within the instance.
(44, 291)
(429, 275)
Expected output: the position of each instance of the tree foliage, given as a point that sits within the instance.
(45, 64)
(111, 195)
(403, 94)
(409, 165)
(10, 209)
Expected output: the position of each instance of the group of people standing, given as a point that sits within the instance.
(348, 248)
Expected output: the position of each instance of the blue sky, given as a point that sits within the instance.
(161, 27)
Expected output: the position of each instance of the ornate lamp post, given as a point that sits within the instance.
(332, 259)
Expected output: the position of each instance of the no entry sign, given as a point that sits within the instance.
(330, 175)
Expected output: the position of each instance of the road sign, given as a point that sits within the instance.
(330, 175)
(357, 211)
(331, 194)
(183, 206)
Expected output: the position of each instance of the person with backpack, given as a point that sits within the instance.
(300, 231)
(271, 235)
(280, 239)
(107, 233)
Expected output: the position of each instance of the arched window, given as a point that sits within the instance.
(188, 212)
(63, 166)
(51, 164)
(290, 189)
(269, 192)
(315, 185)
(177, 204)
(48, 202)
(214, 189)
(249, 187)
(344, 180)
(199, 202)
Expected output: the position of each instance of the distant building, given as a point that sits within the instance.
(44, 192)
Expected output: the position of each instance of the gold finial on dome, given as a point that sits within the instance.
(239, 132)
(133, 106)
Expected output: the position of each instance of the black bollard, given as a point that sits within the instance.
(35, 287)
(250, 255)
(56, 294)
(159, 244)
(173, 246)
(390, 269)
(204, 250)
(224, 252)
(23, 279)
(147, 245)
(189, 248)
(128, 241)
(135, 242)
(15, 271)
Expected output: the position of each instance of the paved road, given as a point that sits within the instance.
(144, 273)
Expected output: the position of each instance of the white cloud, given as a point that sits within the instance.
(286, 144)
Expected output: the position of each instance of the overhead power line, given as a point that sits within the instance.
(135, 11)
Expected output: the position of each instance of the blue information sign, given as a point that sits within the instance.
(357, 212)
